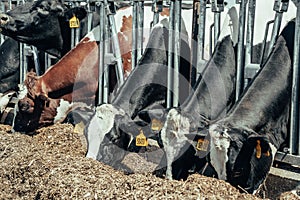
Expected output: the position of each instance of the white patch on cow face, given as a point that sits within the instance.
(62, 111)
(21, 94)
(173, 137)
(22, 91)
(4, 100)
(220, 142)
(101, 123)
(273, 151)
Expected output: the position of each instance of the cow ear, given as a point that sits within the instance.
(57, 7)
(79, 12)
(261, 145)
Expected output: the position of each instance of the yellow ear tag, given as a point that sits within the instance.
(74, 22)
(202, 144)
(79, 128)
(258, 149)
(156, 125)
(141, 140)
(267, 153)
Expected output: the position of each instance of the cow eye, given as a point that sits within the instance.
(233, 144)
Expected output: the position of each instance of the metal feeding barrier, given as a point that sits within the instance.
(246, 69)
(292, 155)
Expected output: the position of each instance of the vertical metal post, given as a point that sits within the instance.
(265, 42)
(294, 126)
(194, 39)
(217, 6)
(36, 60)
(250, 31)
(77, 36)
(170, 56)
(72, 31)
(23, 69)
(101, 52)
(240, 51)
(90, 16)
(140, 30)
(201, 29)
(2, 9)
(157, 6)
(280, 6)
(134, 33)
(114, 35)
(177, 47)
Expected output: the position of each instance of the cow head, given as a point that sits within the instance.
(240, 155)
(41, 23)
(34, 109)
(99, 126)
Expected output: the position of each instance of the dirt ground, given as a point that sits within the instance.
(51, 165)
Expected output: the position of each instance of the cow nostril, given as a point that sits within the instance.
(3, 18)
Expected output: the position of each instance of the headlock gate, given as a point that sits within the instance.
(246, 69)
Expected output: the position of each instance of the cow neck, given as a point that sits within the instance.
(82, 61)
(215, 88)
(268, 95)
(146, 83)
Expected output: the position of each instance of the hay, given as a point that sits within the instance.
(51, 165)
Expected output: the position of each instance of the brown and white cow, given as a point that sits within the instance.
(73, 79)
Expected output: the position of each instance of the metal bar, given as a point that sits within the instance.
(275, 31)
(217, 6)
(177, 47)
(240, 51)
(101, 53)
(201, 37)
(77, 36)
(170, 56)
(280, 6)
(156, 9)
(23, 63)
(194, 39)
(211, 39)
(140, 30)
(2, 7)
(287, 158)
(294, 126)
(217, 26)
(89, 16)
(250, 31)
(115, 41)
(134, 33)
(265, 42)
(36, 60)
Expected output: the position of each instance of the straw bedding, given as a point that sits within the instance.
(51, 165)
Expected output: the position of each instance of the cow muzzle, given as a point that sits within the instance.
(4, 19)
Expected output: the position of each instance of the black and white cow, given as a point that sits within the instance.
(44, 24)
(145, 87)
(244, 143)
(213, 96)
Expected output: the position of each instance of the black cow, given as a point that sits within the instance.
(9, 65)
(244, 143)
(145, 87)
(44, 24)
